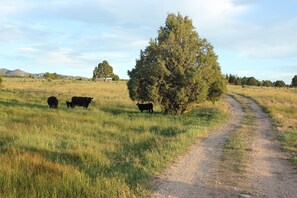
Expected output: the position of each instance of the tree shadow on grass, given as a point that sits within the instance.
(5, 141)
(123, 110)
(93, 167)
(22, 104)
(170, 131)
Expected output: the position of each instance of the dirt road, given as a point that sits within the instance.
(197, 174)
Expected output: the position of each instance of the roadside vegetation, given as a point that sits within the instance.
(281, 104)
(108, 150)
(235, 156)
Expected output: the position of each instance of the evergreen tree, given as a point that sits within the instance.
(48, 75)
(267, 83)
(178, 69)
(252, 81)
(279, 83)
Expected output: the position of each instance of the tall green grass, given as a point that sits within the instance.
(281, 104)
(108, 150)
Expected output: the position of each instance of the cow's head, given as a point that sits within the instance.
(69, 104)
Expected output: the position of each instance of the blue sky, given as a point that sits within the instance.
(251, 37)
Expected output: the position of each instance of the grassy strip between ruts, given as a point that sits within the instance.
(281, 105)
(108, 150)
(235, 154)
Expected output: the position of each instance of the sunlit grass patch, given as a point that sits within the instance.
(108, 150)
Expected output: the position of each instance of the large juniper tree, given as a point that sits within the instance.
(177, 70)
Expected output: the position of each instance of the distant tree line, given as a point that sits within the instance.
(48, 75)
(252, 81)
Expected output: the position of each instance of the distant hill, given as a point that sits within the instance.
(17, 72)
(3, 71)
(20, 73)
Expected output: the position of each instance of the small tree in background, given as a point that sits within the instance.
(294, 81)
(48, 75)
(103, 70)
(115, 77)
(279, 83)
(252, 81)
(267, 83)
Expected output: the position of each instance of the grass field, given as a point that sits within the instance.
(281, 104)
(108, 150)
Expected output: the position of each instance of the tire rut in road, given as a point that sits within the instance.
(269, 173)
(194, 174)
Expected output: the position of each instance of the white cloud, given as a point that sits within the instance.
(58, 58)
(27, 49)
(277, 40)
(13, 7)
(9, 32)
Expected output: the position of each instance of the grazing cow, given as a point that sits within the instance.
(69, 104)
(148, 106)
(52, 102)
(81, 101)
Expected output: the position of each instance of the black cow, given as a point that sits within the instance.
(81, 101)
(148, 106)
(69, 104)
(52, 102)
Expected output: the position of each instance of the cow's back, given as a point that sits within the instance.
(77, 100)
(81, 101)
(52, 102)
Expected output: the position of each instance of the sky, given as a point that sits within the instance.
(251, 37)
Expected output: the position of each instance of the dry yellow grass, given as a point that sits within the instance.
(281, 103)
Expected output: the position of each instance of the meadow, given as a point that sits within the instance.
(108, 150)
(281, 105)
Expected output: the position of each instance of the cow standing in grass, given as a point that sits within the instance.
(148, 106)
(52, 102)
(69, 104)
(80, 101)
